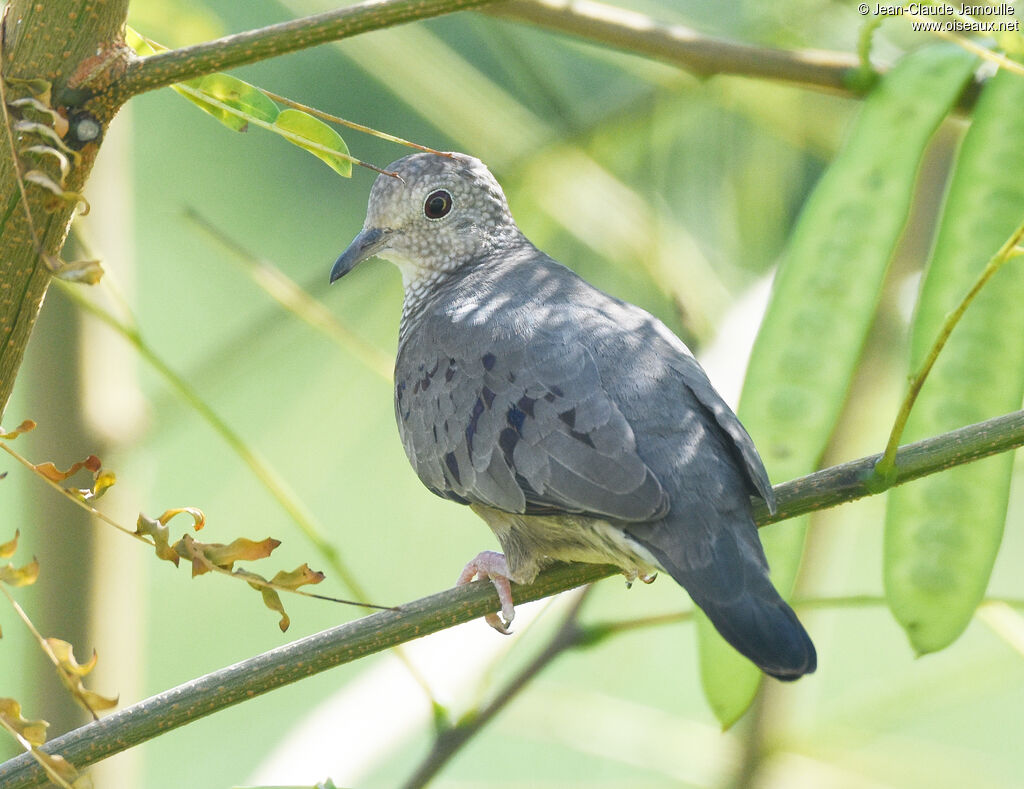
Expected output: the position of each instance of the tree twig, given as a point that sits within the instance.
(351, 641)
(569, 635)
(682, 46)
(856, 479)
(176, 65)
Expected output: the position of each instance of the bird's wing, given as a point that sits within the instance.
(522, 426)
(697, 382)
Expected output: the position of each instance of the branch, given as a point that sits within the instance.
(856, 479)
(450, 741)
(354, 640)
(176, 65)
(678, 45)
(684, 47)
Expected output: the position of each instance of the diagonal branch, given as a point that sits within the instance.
(176, 65)
(371, 634)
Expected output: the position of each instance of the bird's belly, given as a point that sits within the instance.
(531, 542)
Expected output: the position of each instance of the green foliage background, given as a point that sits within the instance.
(669, 191)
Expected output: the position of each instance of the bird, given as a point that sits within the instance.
(576, 425)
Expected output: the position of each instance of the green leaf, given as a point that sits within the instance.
(237, 102)
(943, 533)
(822, 305)
(316, 137)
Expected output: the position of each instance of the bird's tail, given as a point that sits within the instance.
(767, 632)
(728, 579)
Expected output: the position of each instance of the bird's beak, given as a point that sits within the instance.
(367, 244)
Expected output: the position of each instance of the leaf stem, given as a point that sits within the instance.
(297, 300)
(259, 466)
(885, 470)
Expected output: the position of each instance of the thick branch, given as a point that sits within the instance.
(57, 42)
(166, 68)
(343, 644)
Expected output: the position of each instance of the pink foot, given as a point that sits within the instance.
(491, 564)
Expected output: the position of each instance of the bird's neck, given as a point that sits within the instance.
(424, 286)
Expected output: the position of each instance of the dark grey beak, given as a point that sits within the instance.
(367, 244)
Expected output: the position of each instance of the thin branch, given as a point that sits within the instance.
(684, 47)
(856, 479)
(569, 635)
(886, 466)
(834, 72)
(371, 634)
(176, 65)
(297, 300)
(284, 665)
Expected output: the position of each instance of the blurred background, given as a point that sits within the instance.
(670, 191)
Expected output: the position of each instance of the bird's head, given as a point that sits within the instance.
(435, 213)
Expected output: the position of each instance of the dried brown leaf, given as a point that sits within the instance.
(203, 554)
(24, 427)
(103, 479)
(272, 600)
(54, 474)
(86, 272)
(7, 549)
(60, 769)
(158, 532)
(20, 576)
(71, 673)
(34, 732)
(300, 576)
(198, 518)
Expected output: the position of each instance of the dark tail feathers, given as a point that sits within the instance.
(767, 632)
(732, 587)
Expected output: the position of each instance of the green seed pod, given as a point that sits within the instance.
(942, 533)
(822, 305)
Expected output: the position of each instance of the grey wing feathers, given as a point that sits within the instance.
(697, 382)
(522, 427)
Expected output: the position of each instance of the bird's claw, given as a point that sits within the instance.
(492, 565)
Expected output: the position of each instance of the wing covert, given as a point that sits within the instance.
(523, 427)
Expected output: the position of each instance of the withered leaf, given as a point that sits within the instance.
(300, 576)
(54, 474)
(198, 518)
(34, 732)
(24, 427)
(7, 549)
(158, 532)
(71, 673)
(20, 576)
(203, 554)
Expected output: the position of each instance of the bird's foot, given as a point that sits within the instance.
(492, 565)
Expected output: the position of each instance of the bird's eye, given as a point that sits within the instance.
(437, 204)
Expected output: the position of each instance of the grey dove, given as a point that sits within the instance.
(578, 426)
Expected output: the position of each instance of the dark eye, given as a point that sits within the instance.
(437, 204)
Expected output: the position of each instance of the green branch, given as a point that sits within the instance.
(856, 479)
(176, 65)
(371, 634)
